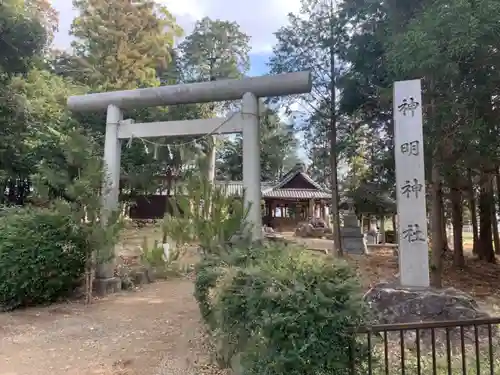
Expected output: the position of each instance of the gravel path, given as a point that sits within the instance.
(154, 331)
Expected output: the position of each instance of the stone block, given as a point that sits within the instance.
(139, 277)
(354, 245)
(107, 286)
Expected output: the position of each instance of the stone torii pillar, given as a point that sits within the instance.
(249, 89)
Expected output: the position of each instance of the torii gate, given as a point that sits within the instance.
(247, 122)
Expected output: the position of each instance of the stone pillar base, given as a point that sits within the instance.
(105, 286)
(353, 242)
(354, 245)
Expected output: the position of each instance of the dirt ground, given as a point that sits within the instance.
(154, 331)
(480, 279)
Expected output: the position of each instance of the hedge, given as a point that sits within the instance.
(277, 311)
(42, 257)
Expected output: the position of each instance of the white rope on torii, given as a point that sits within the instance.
(247, 121)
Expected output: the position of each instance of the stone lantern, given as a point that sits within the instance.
(352, 239)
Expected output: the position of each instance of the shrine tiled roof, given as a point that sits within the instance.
(296, 194)
(292, 174)
(278, 191)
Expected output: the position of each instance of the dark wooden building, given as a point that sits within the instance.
(295, 198)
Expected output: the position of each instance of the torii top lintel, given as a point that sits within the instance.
(202, 92)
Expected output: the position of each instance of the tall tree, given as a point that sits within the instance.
(126, 45)
(23, 40)
(310, 41)
(460, 71)
(120, 44)
(214, 50)
(23, 37)
(449, 46)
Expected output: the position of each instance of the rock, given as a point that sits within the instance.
(395, 304)
(307, 230)
(318, 222)
(266, 229)
(371, 238)
(392, 304)
(269, 234)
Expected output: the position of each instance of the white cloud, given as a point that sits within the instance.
(258, 18)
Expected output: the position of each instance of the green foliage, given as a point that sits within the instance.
(155, 255)
(205, 213)
(179, 227)
(23, 37)
(121, 44)
(213, 266)
(309, 41)
(445, 44)
(32, 117)
(80, 184)
(270, 309)
(278, 150)
(152, 255)
(222, 41)
(277, 311)
(368, 198)
(42, 257)
(448, 46)
(207, 272)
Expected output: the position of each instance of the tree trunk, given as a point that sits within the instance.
(495, 230)
(457, 221)
(436, 266)
(473, 212)
(485, 250)
(395, 228)
(211, 159)
(444, 247)
(170, 201)
(382, 229)
(337, 242)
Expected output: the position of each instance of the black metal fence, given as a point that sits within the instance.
(437, 348)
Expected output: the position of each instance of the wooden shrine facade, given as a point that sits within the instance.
(293, 199)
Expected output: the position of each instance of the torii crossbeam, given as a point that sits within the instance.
(248, 89)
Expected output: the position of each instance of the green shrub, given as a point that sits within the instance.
(288, 314)
(207, 273)
(42, 257)
(271, 310)
(152, 256)
(213, 266)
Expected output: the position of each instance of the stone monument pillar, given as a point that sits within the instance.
(352, 239)
(372, 235)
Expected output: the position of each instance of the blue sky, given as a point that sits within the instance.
(258, 63)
